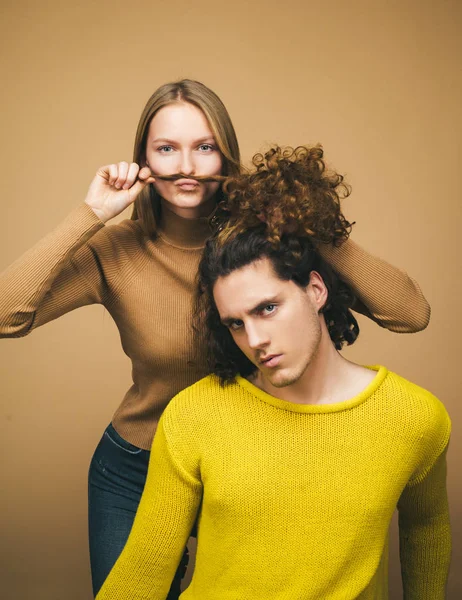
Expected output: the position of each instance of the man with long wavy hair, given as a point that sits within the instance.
(291, 457)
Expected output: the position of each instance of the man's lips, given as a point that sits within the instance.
(271, 360)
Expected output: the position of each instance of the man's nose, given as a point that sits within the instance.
(256, 337)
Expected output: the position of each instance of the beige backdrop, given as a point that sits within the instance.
(378, 83)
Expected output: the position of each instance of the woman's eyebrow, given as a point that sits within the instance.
(208, 138)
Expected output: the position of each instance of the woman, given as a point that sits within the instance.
(143, 270)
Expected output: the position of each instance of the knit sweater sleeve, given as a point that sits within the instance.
(384, 293)
(425, 536)
(47, 282)
(165, 517)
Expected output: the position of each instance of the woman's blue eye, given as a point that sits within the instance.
(206, 147)
(165, 149)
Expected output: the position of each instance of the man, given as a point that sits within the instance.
(291, 458)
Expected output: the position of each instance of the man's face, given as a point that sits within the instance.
(275, 323)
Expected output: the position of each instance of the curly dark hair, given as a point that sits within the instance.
(280, 212)
(291, 191)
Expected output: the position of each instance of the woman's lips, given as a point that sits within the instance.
(187, 184)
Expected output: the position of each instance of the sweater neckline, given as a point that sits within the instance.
(367, 392)
(183, 233)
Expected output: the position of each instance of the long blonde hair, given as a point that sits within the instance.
(147, 206)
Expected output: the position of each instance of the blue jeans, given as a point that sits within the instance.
(115, 483)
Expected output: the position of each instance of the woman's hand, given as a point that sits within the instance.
(115, 187)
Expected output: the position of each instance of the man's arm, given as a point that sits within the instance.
(425, 536)
(165, 517)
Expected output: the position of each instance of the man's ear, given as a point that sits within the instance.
(317, 290)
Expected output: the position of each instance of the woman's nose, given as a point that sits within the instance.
(187, 163)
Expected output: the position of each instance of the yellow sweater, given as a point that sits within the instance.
(147, 286)
(293, 501)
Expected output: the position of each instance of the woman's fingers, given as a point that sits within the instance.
(122, 172)
(143, 179)
(146, 175)
(115, 187)
(122, 175)
(132, 174)
(112, 172)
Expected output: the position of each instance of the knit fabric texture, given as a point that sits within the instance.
(293, 501)
(147, 285)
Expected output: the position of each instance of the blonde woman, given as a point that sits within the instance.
(143, 271)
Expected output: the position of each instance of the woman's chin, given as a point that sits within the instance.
(189, 206)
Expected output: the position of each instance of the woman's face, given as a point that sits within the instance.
(180, 141)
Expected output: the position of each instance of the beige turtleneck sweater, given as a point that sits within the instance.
(147, 285)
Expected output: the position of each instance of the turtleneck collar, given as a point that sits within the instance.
(181, 232)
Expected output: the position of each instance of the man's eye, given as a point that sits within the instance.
(269, 308)
(235, 325)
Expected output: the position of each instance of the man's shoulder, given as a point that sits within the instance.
(209, 387)
(201, 396)
(199, 411)
(417, 405)
(421, 417)
(401, 387)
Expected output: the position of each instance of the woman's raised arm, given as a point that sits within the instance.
(385, 294)
(46, 282)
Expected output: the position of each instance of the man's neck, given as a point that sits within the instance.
(328, 379)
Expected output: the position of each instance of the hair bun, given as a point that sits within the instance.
(292, 192)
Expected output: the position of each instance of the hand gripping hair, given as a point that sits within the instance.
(282, 209)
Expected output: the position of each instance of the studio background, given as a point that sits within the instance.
(377, 83)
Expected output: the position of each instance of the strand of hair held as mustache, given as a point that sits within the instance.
(198, 178)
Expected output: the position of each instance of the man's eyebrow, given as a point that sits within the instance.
(226, 321)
